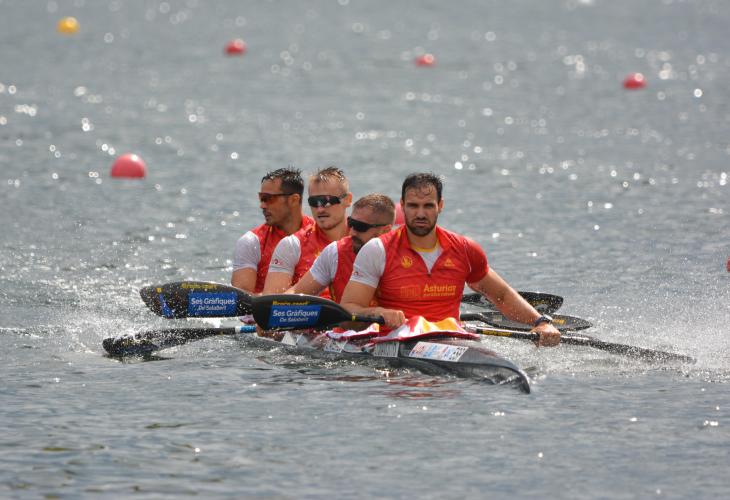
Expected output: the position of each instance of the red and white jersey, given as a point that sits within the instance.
(404, 280)
(255, 248)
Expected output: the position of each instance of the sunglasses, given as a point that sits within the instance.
(324, 200)
(361, 226)
(267, 197)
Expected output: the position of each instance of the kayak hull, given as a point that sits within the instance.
(437, 355)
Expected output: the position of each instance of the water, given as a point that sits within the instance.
(616, 200)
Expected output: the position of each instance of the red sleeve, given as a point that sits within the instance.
(478, 264)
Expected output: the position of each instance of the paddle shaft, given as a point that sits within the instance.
(583, 340)
(561, 322)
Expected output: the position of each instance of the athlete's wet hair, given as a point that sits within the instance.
(421, 181)
(328, 174)
(291, 180)
(381, 205)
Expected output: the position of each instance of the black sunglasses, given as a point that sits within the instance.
(324, 200)
(361, 226)
(267, 197)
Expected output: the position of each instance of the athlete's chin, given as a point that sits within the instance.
(420, 230)
(326, 222)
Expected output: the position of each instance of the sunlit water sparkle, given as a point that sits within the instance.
(616, 200)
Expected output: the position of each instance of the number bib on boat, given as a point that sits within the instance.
(439, 352)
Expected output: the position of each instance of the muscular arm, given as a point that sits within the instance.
(512, 305)
(507, 300)
(246, 257)
(245, 279)
(281, 269)
(276, 282)
(359, 292)
(307, 285)
(357, 297)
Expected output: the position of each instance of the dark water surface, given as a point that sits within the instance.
(617, 200)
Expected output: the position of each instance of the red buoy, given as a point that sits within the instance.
(236, 47)
(400, 217)
(635, 81)
(728, 264)
(129, 166)
(425, 60)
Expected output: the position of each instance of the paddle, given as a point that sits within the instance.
(562, 322)
(201, 299)
(190, 299)
(196, 299)
(545, 303)
(145, 343)
(585, 340)
(288, 311)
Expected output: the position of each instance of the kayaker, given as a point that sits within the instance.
(329, 199)
(420, 269)
(280, 199)
(372, 215)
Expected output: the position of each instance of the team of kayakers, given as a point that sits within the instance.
(359, 261)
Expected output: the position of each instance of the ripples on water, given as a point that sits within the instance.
(616, 200)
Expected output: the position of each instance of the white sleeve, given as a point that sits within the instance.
(247, 253)
(286, 255)
(369, 263)
(325, 266)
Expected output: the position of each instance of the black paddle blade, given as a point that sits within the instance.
(287, 312)
(544, 303)
(144, 343)
(561, 322)
(196, 299)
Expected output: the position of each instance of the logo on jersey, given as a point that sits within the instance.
(406, 262)
(449, 263)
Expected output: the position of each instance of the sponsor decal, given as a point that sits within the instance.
(293, 315)
(295, 302)
(406, 261)
(197, 286)
(436, 290)
(440, 352)
(410, 292)
(166, 311)
(449, 263)
(211, 304)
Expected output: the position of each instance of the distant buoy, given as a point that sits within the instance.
(728, 264)
(67, 25)
(425, 60)
(236, 47)
(635, 81)
(400, 217)
(129, 166)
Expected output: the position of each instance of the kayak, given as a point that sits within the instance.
(440, 354)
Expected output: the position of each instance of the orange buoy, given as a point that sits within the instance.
(129, 166)
(635, 81)
(67, 25)
(236, 47)
(400, 217)
(425, 60)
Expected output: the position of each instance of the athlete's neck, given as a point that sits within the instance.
(335, 233)
(292, 224)
(422, 243)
